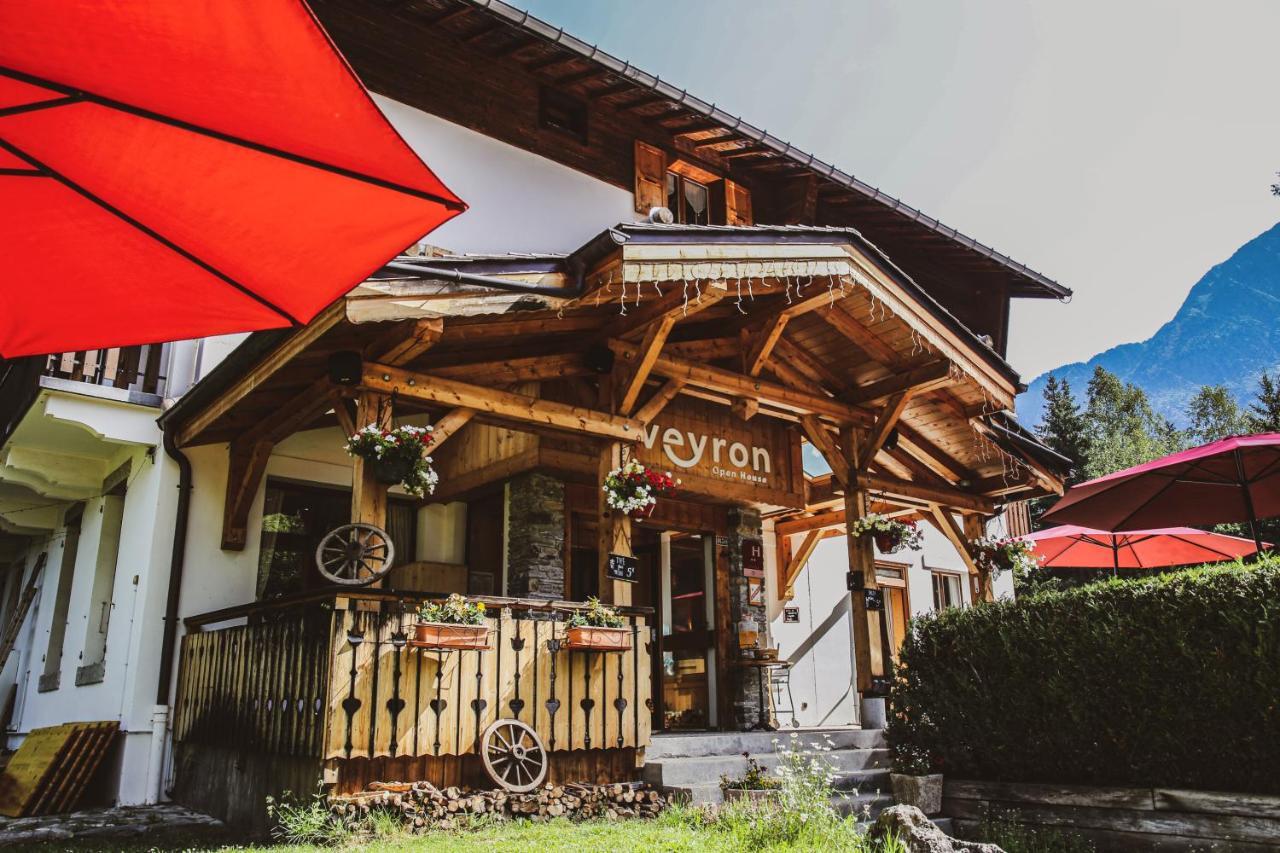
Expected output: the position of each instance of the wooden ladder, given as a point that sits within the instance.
(10, 636)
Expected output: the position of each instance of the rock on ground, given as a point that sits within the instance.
(920, 835)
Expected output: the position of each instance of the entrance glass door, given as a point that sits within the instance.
(686, 649)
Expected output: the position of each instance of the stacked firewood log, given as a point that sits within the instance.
(422, 805)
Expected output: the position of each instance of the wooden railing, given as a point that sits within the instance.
(260, 687)
(340, 680)
(136, 368)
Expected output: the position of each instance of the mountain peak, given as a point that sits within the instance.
(1226, 332)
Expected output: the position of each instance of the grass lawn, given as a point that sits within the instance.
(675, 831)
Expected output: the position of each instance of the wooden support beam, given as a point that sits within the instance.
(943, 520)
(637, 371)
(503, 405)
(797, 562)
(929, 494)
(655, 404)
(449, 424)
(762, 344)
(346, 416)
(834, 518)
(406, 341)
(736, 385)
(869, 658)
(884, 425)
(247, 462)
(817, 371)
(975, 528)
(917, 381)
(368, 495)
(261, 372)
(511, 371)
(823, 442)
(613, 530)
(853, 329)
(745, 408)
(932, 456)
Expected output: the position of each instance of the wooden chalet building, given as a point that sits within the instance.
(787, 308)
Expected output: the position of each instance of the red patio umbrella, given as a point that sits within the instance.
(174, 170)
(1236, 479)
(1071, 547)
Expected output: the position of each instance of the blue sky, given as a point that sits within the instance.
(1121, 148)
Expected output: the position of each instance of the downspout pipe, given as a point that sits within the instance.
(576, 269)
(168, 642)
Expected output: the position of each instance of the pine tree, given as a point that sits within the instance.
(1062, 427)
(1264, 414)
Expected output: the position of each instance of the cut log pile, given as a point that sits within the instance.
(422, 805)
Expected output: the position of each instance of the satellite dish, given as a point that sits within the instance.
(661, 216)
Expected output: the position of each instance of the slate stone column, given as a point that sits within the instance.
(744, 525)
(535, 537)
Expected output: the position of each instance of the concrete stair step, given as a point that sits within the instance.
(736, 743)
(853, 765)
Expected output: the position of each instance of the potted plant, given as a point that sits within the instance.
(913, 779)
(635, 489)
(451, 624)
(756, 785)
(1002, 555)
(598, 628)
(890, 534)
(398, 456)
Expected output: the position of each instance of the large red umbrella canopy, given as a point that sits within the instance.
(174, 170)
(1072, 547)
(1236, 479)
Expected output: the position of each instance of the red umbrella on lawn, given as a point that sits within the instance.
(1071, 547)
(1236, 479)
(174, 170)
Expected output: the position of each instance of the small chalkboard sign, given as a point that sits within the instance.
(791, 614)
(622, 568)
(874, 599)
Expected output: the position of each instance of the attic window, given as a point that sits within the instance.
(562, 113)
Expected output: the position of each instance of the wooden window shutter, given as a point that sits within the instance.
(651, 177)
(731, 204)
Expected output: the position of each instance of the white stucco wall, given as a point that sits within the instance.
(820, 645)
(518, 201)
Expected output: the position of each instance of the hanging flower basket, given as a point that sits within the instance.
(889, 534)
(452, 624)
(398, 456)
(635, 489)
(1003, 555)
(598, 628)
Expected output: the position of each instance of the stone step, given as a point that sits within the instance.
(856, 764)
(736, 743)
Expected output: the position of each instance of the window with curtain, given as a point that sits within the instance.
(946, 590)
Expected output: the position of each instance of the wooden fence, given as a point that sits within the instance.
(341, 681)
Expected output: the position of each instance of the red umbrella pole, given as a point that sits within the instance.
(1248, 501)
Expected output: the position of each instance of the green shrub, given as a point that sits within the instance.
(1167, 681)
(1005, 832)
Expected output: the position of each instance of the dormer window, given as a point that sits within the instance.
(688, 200)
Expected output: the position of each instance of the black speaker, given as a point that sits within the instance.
(345, 367)
(599, 358)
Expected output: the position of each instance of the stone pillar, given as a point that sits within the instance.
(744, 525)
(535, 537)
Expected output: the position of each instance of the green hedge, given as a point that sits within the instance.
(1172, 681)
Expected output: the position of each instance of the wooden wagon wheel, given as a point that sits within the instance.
(355, 554)
(514, 756)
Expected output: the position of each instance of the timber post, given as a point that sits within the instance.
(368, 496)
(613, 531)
(975, 528)
(868, 654)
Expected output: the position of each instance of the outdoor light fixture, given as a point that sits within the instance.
(345, 367)
(891, 441)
